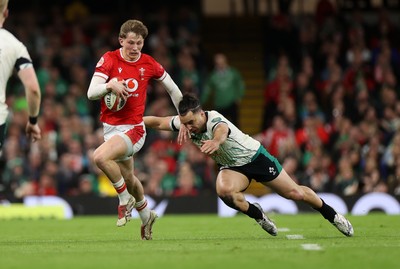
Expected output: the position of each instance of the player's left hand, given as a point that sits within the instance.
(209, 146)
(33, 132)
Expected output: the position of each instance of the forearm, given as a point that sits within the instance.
(33, 97)
(151, 122)
(221, 133)
(32, 90)
(158, 123)
(97, 88)
(173, 90)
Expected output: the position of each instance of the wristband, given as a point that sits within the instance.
(33, 120)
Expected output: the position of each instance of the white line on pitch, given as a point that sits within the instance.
(294, 236)
(311, 246)
(283, 229)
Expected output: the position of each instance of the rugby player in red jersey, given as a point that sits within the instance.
(124, 130)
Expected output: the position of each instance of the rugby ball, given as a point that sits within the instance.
(113, 102)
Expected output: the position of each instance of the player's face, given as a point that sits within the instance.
(194, 122)
(131, 46)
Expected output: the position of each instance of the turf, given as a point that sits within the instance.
(199, 241)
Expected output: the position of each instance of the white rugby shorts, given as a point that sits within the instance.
(133, 135)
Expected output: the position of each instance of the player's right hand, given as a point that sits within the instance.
(183, 134)
(119, 88)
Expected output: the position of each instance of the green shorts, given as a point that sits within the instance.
(263, 168)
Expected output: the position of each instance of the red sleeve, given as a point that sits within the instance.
(104, 65)
(158, 69)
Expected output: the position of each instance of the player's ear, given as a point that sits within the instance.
(5, 13)
(121, 40)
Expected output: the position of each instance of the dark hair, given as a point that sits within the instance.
(188, 103)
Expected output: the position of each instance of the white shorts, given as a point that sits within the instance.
(133, 135)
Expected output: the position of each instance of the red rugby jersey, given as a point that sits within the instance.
(137, 75)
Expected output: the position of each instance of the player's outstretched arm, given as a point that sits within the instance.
(172, 89)
(158, 123)
(221, 132)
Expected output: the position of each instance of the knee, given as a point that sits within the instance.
(99, 159)
(227, 195)
(224, 191)
(295, 195)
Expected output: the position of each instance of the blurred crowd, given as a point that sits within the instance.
(332, 107)
(65, 43)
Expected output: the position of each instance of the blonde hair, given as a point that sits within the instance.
(134, 26)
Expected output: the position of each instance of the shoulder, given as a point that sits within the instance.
(113, 54)
(109, 56)
(7, 36)
(214, 118)
(145, 58)
(13, 50)
(157, 70)
(108, 59)
(11, 40)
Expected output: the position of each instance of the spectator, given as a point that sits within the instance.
(187, 182)
(371, 182)
(291, 166)
(202, 165)
(160, 182)
(309, 107)
(394, 181)
(227, 87)
(319, 180)
(187, 74)
(345, 182)
(87, 185)
(279, 139)
(279, 90)
(312, 134)
(46, 185)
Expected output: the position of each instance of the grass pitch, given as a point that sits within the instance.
(201, 241)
